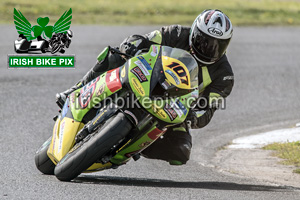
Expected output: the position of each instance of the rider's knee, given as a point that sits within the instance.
(182, 155)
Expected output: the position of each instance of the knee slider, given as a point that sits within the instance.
(182, 154)
(185, 152)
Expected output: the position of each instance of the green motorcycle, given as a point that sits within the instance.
(120, 113)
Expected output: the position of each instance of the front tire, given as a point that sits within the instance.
(86, 153)
(42, 161)
(55, 48)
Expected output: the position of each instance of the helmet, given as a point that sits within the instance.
(209, 36)
(70, 33)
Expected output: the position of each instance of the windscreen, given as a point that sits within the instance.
(180, 68)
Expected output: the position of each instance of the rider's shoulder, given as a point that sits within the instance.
(221, 71)
(175, 29)
(223, 66)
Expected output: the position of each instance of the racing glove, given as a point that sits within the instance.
(199, 119)
(128, 48)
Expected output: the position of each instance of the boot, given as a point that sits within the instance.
(62, 97)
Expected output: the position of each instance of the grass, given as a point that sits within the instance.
(290, 152)
(132, 12)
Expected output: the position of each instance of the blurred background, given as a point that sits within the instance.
(158, 12)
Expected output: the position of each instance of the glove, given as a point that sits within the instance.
(199, 119)
(128, 48)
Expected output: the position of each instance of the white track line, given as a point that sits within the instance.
(262, 139)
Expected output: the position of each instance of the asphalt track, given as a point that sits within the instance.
(266, 95)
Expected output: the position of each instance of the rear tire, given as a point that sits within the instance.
(42, 161)
(86, 153)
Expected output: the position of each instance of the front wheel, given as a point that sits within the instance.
(42, 161)
(86, 153)
(55, 48)
(68, 43)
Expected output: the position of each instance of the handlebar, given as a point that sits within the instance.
(113, 50)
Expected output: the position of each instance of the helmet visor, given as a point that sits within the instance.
(207, 48)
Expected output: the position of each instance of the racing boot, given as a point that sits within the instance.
(62, 97)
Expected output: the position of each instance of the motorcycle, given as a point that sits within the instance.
(59, 41)
(91, 134)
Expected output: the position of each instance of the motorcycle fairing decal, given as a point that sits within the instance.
(170, 111)
(113, 80)
(87, 92)
(101, 89)
(72, 97)
(61, 132)
(159, 111)
(128, 155)
(173, 76)
(138, 87)
(177, 109)
(155, 133)
(142, 67)
(176, 72)
(145, 144)
(139, 74)
(181, 106)
(145, 63)
(154, 51)
(173, 110)
(123, 72)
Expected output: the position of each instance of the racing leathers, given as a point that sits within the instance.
(216, 82)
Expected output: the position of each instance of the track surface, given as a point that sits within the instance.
(266, 96)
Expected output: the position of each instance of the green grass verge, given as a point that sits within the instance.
(132, 12)
(289, 151)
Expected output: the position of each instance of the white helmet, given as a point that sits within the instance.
(70, 33)
(210, 35)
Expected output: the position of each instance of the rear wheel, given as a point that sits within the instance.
(86, 153)
(42, 161)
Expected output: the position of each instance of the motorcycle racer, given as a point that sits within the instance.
(207, 40)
